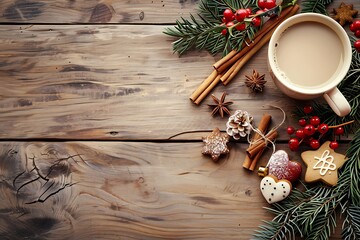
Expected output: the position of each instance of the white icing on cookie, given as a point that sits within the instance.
(273, 190)
(325, 163)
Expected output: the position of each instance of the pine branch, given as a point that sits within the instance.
(313, 211)
(203, 32)
(316, 6)
(351, 225)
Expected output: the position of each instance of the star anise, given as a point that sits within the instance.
(344, 13)
(255, 82)
(220, 105)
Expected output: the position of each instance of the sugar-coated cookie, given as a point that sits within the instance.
(322, 164)
(281, 167)
(275, 190)
(215, 144)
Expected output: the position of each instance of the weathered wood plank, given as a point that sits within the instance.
(119, 82)
(89, 190)
(131, 190)
(95, 11)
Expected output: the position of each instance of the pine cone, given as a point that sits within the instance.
(255, 82)
(239, 124)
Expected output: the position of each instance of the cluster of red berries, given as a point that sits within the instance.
(311, 131)
(355, 28)
(242, 16)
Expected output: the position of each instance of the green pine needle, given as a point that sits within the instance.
(203, 32)
(314, 210)
(316, 6)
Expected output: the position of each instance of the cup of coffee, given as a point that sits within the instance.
(309, 54)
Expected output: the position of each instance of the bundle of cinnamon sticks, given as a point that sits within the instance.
(226, 68)
(259, 143)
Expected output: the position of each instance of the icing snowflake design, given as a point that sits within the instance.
(325, 163)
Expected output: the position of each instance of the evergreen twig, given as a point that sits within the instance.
(316, 6)
(314, 210)
(203, 31)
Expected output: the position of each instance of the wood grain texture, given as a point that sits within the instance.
(117, 82)
(99, 190)
(114, 82)
(95, 11)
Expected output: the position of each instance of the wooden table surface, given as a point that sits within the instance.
(90, 94)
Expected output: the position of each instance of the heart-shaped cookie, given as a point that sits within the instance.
(274, 190)
(281, 167)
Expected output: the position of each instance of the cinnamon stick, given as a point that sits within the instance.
(208, 90)
(241, 62)
(261, 143)
(204, 85)
(263, 126)
(225, 59)
(256, 159)
(232, 57)
(257, 44)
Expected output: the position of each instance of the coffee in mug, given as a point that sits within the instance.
(309, 54)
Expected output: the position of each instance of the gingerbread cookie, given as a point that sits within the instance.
(344, 13)
(275, 190)
(322, 164)
(215, 144)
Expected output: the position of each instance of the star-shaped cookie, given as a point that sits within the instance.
(344, 13)
(215, 144)
(322, 164)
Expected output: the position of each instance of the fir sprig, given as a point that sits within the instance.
(316, 6)
(203, 32)
(314, 210)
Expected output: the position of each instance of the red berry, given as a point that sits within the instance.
(270, 4)
(352, 27)
(224, 32)
(230, 24)
(314, 144)
(241, 27)
(241, 14)
(290, 130)
(223, 20)
(228, 15)
(323, 128)
(334, 145)
(261, 4)
(309, 130)
(308, 109)
(357, 33)
(356, 24)
(300, 133)
(266, 4)
(339, 131)
(357, 45)
(302, 122)
(315, 120)
(249, 12)
(294, 144)
(256, 21)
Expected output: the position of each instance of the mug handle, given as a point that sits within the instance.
(337, 102)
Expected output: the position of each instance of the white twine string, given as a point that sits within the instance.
(256, 130)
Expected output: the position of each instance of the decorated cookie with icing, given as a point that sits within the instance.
(281, 167)
(322, 164)
(215, 144)
(274, 190)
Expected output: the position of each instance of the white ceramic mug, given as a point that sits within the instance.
(309, 54)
